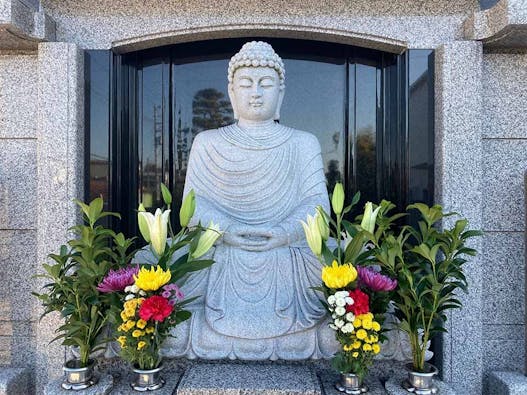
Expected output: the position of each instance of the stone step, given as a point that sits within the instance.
(14, 381)
(249, 379)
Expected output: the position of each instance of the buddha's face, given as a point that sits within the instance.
(255, 94)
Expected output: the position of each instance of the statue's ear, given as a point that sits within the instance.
(279, 104)
(233, 101)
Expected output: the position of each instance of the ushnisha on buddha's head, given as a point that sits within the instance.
(256, 83)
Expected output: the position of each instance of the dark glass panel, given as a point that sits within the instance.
(152, 108)
(366, 80)
(97, 71)
(315, 101)
(420, 126)
(200, 103)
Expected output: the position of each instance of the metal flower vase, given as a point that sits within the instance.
(147, 379)
(421, 383)
(77, 377)
(350, 384)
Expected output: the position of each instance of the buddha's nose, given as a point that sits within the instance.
(257, 91)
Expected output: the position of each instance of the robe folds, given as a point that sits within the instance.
(256, 305)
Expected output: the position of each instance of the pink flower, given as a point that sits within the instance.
(375, 281)
(118, 280)
(172, 291)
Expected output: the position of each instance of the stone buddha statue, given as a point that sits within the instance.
(257, 179)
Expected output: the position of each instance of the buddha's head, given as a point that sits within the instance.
(256, 82)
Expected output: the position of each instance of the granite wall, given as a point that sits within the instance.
(504, 164)
(50, 128)
(18, 185)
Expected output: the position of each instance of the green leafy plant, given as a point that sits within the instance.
(74, 276)
(428, 264)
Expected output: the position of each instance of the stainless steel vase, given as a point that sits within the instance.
(350, 384)
(77, 377)
(421, 383)
(147, 380)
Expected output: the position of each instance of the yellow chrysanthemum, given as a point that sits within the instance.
(355, 354)
(374, 338)
(368, 340)
(361, 334)
(130, 313)
(149, 330)
(141, 324)
(376, 348)
(367, 347)
(122, 341)
(137, 333)
(129, 325)
(376, 326)
(347, 347)
(357, 323)
(366, 324)
(141, 345)
(153, 279)
(336, 276)
(356, 344)
(130, 304)
(124, 316)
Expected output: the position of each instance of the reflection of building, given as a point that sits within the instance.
(479, 112)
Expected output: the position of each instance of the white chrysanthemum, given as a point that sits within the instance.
(339, 323)
(349, 300)
(340, 311)
(332, 326)
(348, 328)
(340, 302)
(331, 300)
(341, 294)
(129, 296)
(350, 317)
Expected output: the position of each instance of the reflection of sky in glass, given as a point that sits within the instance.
(99, 105)
(315, 102)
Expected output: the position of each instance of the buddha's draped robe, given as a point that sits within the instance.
(256, 305)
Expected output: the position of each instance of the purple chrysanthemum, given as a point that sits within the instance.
(118, 280)
(375, 281)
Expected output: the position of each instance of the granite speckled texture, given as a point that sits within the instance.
(393, 387)
(329, 377)
(505, 98)
(501, 26)
(60, 174)
(458, 179)
(506, 383)
(122, 383)
(504, 162)
(242, 379)
(18, 96)
(423, 24)
(13, 381)
(18, 170)
(103, 387)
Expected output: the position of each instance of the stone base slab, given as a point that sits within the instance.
(393, 386)
(13, 381)
(507, 383)
(103, 387)
(122, 384)
(249, 379)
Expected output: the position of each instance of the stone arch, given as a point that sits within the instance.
(220, 31)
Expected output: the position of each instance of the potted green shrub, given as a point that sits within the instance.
(72, 290)
(428, 263)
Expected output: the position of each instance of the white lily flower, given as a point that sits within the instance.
(313, 237)
(369, 217)
(143, 223)
(206, 240)
(158, 228)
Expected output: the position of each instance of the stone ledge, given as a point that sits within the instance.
(14, 381)
(502, 26)
(393, 386)
(507, 383)
(23, 25)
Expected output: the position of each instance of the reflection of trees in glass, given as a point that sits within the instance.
(210, 110)
(333, 174)
(366, 164)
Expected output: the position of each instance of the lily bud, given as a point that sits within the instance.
(322, 225)
(143, 223)
(158, 228)
(313, 237)
(337, 199)
(206, 240)
(369, 217)
(187, 208)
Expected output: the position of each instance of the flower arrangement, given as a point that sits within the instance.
(149, 302)
(355, 294)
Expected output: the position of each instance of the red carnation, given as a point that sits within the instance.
(361, 302)
(155, 307)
